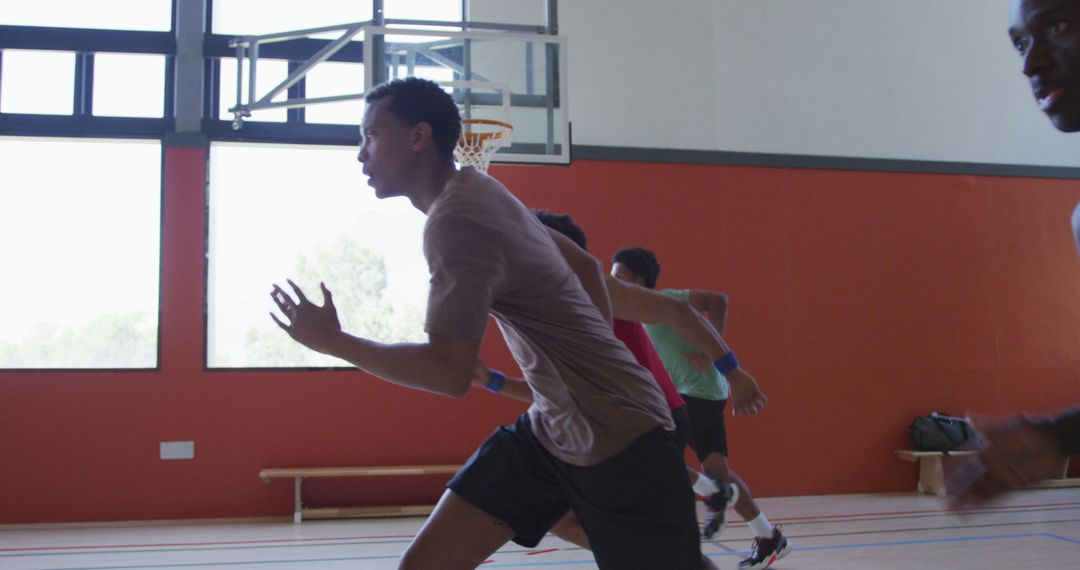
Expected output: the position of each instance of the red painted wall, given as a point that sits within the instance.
(859, 300)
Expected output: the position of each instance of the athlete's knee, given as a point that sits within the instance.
(716, 466)
(410, 561)
(414, 559)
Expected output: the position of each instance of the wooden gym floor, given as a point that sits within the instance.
(1032, 529)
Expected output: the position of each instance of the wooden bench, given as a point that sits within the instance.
(299, 474)
(932, 471)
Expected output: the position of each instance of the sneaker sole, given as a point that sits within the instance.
(769, 561)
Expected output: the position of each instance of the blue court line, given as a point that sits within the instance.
(720, 545)
(818, 548)
(1064, 538)
(930, 541)
(539, 564)
(591, 561)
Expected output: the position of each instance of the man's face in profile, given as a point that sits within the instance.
(1046, 33)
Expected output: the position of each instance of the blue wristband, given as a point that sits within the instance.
(726, 363)
(495, 381)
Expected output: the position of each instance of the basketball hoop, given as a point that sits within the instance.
(480, 139)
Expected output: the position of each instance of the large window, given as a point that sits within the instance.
(81, 232)
(441, 10)
(306, 213)
(252, 17)
(129, 85)
(146, 15)
(271, 73)
(38, 82)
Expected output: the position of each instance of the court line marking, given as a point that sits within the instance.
(1064, 538)
(884, 515)
(841, 547)
(895, 515)
(727, 551)
(786, 520)
(934, 541)
(721, 544)
(912, 530)
(972, 511)
(210, 543)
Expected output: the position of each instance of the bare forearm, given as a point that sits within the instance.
(718, 319)
(715, 305)
(638, 304)
(420, 366)
(703, 335)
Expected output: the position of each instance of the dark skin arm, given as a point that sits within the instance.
(443, 365)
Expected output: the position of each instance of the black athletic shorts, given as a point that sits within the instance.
(682, 426)
(637, 507)
(707, 431)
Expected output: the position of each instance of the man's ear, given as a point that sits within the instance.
(421, 136)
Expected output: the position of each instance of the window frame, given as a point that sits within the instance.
(294, 130)
(81, 123)
(85, 43)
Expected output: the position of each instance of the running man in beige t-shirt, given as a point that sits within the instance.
(597, 438)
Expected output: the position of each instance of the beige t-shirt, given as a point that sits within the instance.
(488, 253)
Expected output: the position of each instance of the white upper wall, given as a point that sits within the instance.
(918, 79)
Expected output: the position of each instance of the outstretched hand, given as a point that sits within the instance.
(746, 397)
(309, 324)
(1016, 453)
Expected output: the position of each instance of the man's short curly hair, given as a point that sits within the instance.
(565, 225)
(641, 262)
(416, 100)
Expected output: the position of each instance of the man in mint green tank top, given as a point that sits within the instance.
(705, 391)
(707, 385)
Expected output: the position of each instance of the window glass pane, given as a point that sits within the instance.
(255, 17)
(40, 82)
(527, 12)
(81, 228)
(129, 85)
(306, 213)
(148, 15)
(440, 10)
(268, 74)
(331, 78)
(433, 73)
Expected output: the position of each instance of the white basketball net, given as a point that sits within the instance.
(480, 139)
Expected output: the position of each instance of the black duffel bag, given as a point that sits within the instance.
(942, 432)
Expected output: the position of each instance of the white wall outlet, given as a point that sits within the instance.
(178, 450)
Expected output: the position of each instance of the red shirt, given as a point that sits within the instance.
(634, 337)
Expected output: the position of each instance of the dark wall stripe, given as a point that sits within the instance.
(663, 155)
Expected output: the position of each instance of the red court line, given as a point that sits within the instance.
(217, 543)
(541, 551)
